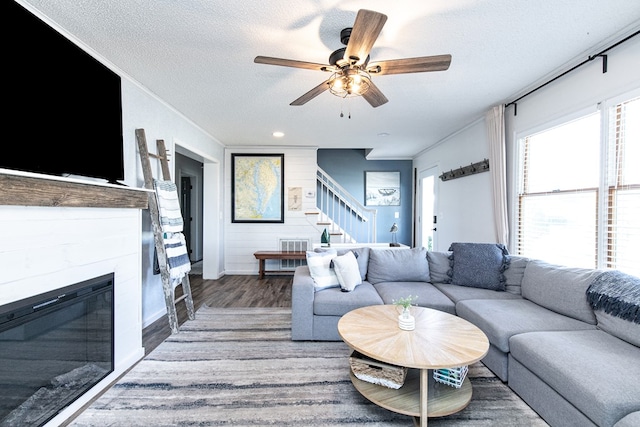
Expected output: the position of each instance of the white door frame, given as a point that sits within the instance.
(426, 224)
(212, 222)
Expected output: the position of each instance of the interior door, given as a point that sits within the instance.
(426, 208)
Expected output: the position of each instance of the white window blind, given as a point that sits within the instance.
(623, 182)
(576, 208)
(559, 193)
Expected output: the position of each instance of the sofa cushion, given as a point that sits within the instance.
(502, 319)
(594, 371)
(621, 328)
(459, 293)
(361, 254)
(428, 295)
(630, 420)
(438, 266)
(346, 268)
(514, 273)
(561, 289)
(479, 265)
(398, 265)
(320, 269)
(334, 302)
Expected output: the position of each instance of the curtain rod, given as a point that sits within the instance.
(589, 59)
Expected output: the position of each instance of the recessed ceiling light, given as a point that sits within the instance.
(278, 134)
(383, 134)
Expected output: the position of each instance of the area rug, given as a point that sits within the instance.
(239, 367)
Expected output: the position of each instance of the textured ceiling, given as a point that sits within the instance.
(197, 55)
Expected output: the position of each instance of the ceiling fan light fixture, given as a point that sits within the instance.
(349, 82)
(351, 73)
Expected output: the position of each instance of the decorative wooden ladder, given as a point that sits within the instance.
(169, 290)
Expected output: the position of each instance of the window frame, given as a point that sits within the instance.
(603, 191)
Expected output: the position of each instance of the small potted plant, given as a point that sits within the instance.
(405, 320)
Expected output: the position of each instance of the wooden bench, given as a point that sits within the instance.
(262, 256)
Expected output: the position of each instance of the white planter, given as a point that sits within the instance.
(406, 321)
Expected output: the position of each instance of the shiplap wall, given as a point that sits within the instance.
(46, 248)
(242, 240)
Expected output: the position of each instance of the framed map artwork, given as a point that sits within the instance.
(257, 187)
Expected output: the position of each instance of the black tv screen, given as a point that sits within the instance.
(63, 105)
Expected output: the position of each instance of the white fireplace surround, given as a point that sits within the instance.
(46, 248)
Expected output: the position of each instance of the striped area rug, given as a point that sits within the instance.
(239, 367)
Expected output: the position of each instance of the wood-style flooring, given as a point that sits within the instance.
(228, 291)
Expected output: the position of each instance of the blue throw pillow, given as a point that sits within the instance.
(478, 265)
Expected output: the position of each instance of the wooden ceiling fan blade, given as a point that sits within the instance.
(364, 34)
(374, 96)
(312, 93)
(410, 65)
(292, 63)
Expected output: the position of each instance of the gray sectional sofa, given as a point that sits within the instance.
(567, 340)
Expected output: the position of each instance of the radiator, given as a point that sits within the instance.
(294, 245)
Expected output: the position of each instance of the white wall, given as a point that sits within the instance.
(142, 110)
(463, 207)
(579, 91)
(242, 239)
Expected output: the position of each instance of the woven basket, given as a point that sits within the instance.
(376, 372)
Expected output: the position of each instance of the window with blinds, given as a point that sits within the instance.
(579, 191)
(622, 245)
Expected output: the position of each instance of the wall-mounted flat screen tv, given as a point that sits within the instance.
(63, 106)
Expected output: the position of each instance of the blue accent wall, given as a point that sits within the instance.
(348, 167)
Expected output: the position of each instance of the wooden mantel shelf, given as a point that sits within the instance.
(30, 190)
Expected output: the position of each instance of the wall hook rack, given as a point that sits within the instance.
(472, 169)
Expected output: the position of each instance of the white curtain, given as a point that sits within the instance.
(498, 170)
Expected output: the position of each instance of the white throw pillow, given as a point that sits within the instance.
(346, 268)
(320, 269)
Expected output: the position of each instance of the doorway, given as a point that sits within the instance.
(185, 206)
(426, 209)
(206, 202)
(189, 178)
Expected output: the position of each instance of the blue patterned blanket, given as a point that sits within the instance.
(617, 294)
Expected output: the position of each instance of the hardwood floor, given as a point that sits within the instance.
(229, 291)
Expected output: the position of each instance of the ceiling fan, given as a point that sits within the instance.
(350, 67)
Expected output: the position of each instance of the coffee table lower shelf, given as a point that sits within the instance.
(442, 399)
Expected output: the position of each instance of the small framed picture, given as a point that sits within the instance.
(382, 188)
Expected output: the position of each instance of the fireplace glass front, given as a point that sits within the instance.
(53, 348)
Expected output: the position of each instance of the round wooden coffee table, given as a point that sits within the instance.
(440, 340)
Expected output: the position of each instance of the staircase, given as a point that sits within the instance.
(344, 217)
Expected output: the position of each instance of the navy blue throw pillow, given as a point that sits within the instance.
(478, 265)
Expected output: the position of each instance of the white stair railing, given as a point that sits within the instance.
(344, 214)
